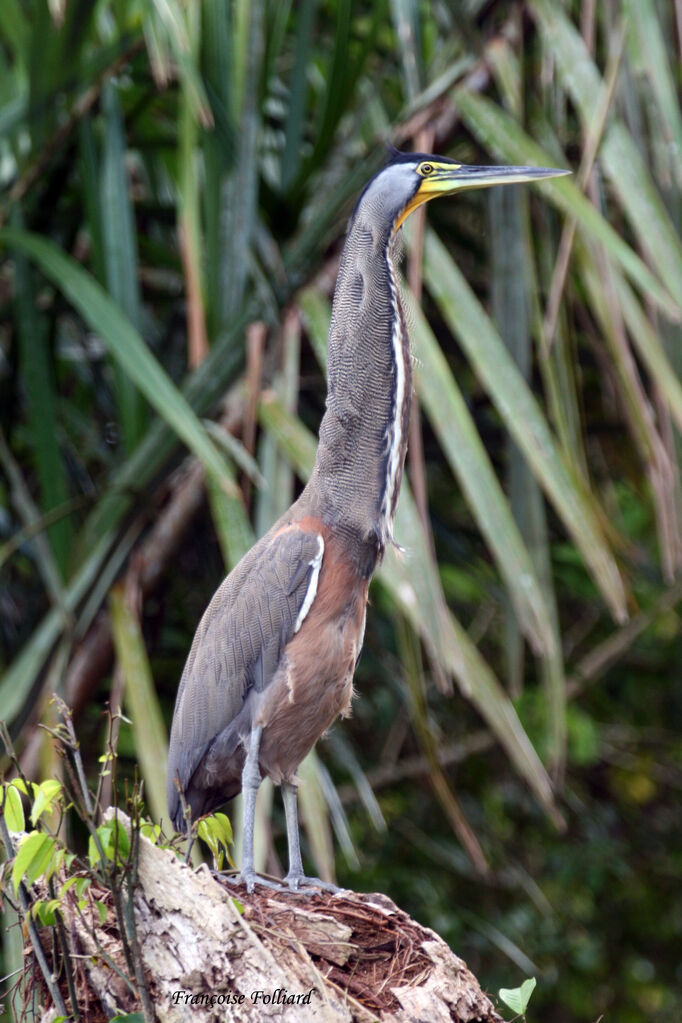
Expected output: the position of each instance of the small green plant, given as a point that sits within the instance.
(45, 884)
(517, 998)
(216, 832)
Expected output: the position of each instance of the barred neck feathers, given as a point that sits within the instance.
(363, 435)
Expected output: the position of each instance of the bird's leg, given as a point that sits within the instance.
(296, 879)
(251, 779)
(290, 800)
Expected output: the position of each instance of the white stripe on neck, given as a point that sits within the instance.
(394, 433)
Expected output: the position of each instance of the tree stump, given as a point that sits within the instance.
(212, 952)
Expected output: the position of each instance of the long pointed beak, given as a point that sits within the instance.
(446, 180)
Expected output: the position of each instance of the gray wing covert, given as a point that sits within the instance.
(238, 644)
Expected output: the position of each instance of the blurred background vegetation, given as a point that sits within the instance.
(176, 179)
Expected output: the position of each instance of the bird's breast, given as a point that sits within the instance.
(314, 680)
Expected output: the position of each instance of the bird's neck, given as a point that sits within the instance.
(363, 435)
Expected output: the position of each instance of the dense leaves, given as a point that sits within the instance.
(175, 181)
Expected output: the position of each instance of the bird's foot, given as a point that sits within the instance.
(300, 883)
(250, 878)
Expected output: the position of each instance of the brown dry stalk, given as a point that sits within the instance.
(197, 339)
(592, 141)
(256, 335)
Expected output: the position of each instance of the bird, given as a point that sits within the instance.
(272, 663)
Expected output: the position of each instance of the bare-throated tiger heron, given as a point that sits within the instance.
(272, 662)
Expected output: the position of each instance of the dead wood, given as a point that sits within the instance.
(212, 952)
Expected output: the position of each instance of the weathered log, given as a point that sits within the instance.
(210, 951)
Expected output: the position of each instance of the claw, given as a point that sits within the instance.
(299, 882)
(251, 879)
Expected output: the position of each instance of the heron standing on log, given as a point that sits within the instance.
(272, 663)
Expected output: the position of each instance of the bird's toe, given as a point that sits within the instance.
(301, 883)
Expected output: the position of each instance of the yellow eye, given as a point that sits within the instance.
(425, 169)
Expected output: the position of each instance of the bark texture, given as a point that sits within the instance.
(321, 958)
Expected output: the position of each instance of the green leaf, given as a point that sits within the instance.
(513, 294)
(406, 25)
(462, 445)
(151, 831)
(120, 254)
(102, 910)
(521, 414)
(314, 812)
(140, 700)
(206, 830)
(113, 839)
(81, 885)
(14, 25)
(297, 443)
(340, 74)
(17, 682)
(130, 1017)
(39, 382)
(94, 856)
(174, 18)
(650, 349)
(237, 184)
(295, 119)
(124, 342)
(647, 45)
(420, 596)
(13, 809)
(518, 998)
(45, 796)
(230, 519)
(619, 155)
(273, 501)
(506, 140)
(91, 184)
(235, 450)
(46, 912)
(225, 828)
(33, 858)
(189, 187)
(203, 388)
(219, 147)
(317, 316)
(69, 883)
(216, 831)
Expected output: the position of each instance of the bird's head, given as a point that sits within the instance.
(411, 179)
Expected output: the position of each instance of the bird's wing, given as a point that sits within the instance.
(239, 642)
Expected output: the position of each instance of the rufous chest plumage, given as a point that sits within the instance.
(314, 680)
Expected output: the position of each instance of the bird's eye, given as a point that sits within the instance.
(425, 169)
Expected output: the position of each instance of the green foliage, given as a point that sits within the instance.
(518, 998)
(13, 808)
(49, 884)
(110, 842)
(45, 796)
(216, 831)
(37, 856)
